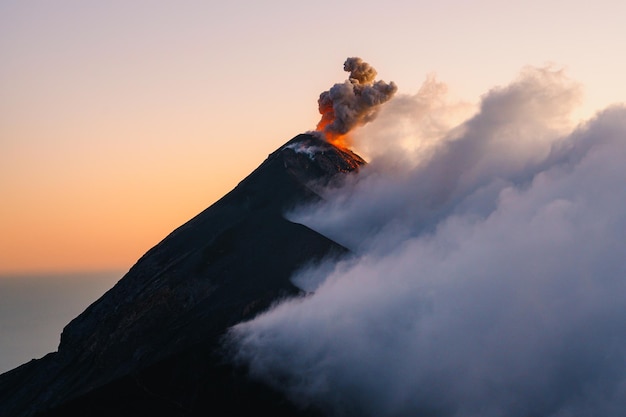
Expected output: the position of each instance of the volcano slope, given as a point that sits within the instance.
(151, 344)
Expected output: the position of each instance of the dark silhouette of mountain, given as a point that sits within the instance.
(150, 346)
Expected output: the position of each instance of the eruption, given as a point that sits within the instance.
(489, 267)
(352, 103)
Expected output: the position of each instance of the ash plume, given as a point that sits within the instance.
(354, 102)
(489, 271)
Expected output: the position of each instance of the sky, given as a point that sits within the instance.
(120, 120)
(487, 229)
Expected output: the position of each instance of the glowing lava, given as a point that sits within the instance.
(331, 136)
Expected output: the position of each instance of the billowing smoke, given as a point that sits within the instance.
(353, 102)
(489, 271)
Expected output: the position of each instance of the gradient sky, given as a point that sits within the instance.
(120, 120)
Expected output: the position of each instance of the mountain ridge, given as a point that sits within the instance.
(223, 266)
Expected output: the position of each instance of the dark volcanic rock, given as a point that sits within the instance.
(150, 345)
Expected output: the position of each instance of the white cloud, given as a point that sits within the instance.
(490, 275)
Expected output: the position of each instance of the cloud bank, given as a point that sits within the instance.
(490, 266)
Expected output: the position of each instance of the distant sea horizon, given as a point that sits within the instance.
(34, 309)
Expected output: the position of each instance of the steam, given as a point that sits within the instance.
(353, 102)
(489, 271)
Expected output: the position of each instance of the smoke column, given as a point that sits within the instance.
(353, 102)
(489, 266)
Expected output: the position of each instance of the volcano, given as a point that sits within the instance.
(151, 345)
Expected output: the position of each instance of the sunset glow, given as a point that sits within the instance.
(119, 122)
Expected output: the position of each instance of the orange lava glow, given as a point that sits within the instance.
(339, 140)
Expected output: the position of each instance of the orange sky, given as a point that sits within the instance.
(121, 120)
(90, 205)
